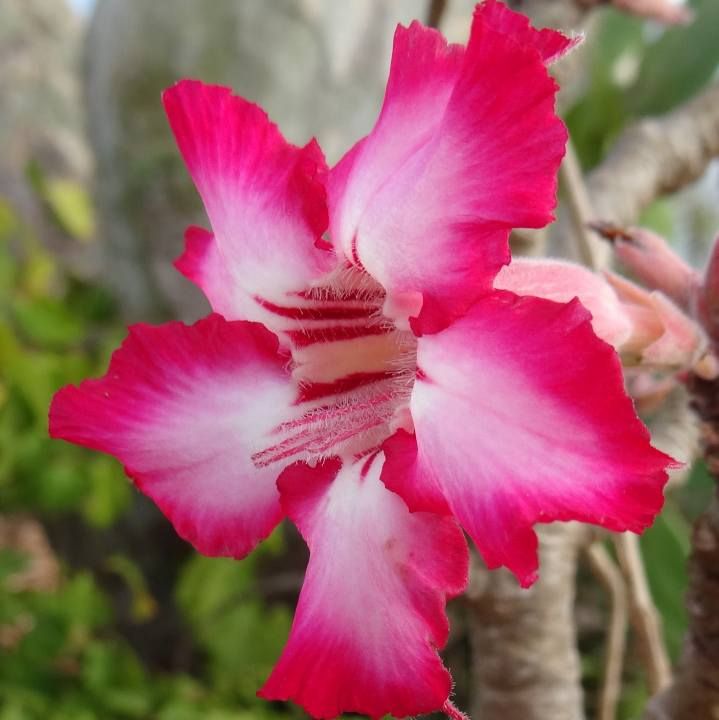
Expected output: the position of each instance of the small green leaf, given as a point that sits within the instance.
(71, 207)
(144, 606)
(11, 562)
(47, 322)
(109, 492)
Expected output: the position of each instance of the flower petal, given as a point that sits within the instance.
(562, 281)
(184, 408)
(265, 199)
(521, 417)
(466, 147)
(550, 44)
(371, 612)
(202, 263)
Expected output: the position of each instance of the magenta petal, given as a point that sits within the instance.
(265, 199)
(466, 147)
(184, 408)
(521, 417)
(550, 44)
(371, 613)
(202, 263)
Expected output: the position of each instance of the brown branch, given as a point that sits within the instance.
(694, 694)
(524, 641)
(436, 11)
(591, 253)
(645, 617)
(655, 157)
(607, 572)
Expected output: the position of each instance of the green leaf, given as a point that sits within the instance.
(71, 206)
(11, 562)
(9, 223)
(601, 113)
(67, 201)
(82, 603)
(696, 494)
(144, 606)
(47, 322)
(59, 484)
(665, 548)
(659, 216)
(109, 492)
(241, 636)
(677, 65)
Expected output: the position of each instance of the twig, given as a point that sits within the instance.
(694, 693)
(591, 253)
(645, 616)
(608, 574)
(435, 12)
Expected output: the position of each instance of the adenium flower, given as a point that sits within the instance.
(369, 382)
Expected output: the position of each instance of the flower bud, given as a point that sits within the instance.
(708, 303)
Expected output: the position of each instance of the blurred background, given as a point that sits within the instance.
(104, 612)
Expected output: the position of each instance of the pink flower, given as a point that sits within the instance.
(369, 383)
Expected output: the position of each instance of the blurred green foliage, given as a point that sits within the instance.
(62, 656)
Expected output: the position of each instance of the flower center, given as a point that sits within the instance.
(354, 371)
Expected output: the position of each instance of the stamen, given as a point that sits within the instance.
(452, 712)
(353, 368)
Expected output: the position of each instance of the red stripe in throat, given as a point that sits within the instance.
(316, 390)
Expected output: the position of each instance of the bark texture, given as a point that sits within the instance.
(655, 157)
(694, 694)
(524, 641)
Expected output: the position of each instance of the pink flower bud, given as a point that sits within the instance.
(664, 11)
(662, 335)
(651, 260)
(708, 304)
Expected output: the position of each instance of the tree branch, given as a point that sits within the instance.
(524, 641)
(655, 157)
(694, 694)
(591, 253)
(435, 12)
(607, 572)
(644, 614)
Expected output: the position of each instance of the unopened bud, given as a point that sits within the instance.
(662, 335)
(708, 309)
(655, 265)
(664, 11)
